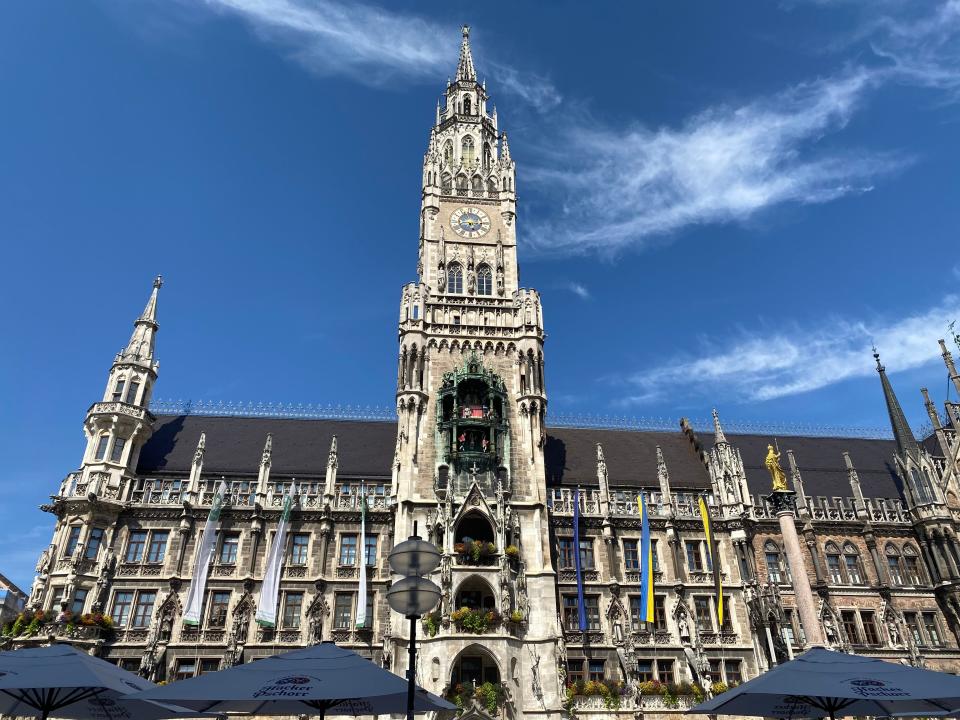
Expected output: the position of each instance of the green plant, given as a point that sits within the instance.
(516, 617)
(609, 690)
(490, 696)
(475, 621)
(512, 551)
(431, 623)
(718, 688)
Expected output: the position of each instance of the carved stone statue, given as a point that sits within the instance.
(894, 632)
(777, 476)
(683, 626)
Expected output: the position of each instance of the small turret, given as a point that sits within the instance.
(906, 442)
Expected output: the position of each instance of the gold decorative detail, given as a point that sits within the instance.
(777, 475)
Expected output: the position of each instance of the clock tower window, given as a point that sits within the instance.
(467, 151)
(454, 278)
(484, 280)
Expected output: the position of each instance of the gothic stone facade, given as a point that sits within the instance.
(472, 465)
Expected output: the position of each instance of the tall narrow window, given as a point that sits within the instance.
(342, 610)
(870, 634)
(592, 605)
(370, 550)
(116, 455)
(94, 539)
(102, 444)
(912, 567)
(158, 546)
(694, 556)
(849, 620)
(73, 540)
(894, 567)
(135, 546)
(454, 278)
(132, 391)
(468, 153)
(703, 613)
(348, 550)
(851, 559)
(298, 548)
(833, 564)
(586, 554)
(143, 611)
(79, 601)
(292, 606)
(229, 548)
(118, 390)
(913, 626)
(466, 105)
(631, 556)
(772, 557)
(484, 280)
(219, 604)
(122, 602)
(566, 552)
(932, 627)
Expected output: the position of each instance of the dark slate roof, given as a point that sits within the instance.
(300, 447)
(820, 460)
(631, 455)
(365, 449)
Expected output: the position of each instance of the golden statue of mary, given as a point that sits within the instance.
(777, 475)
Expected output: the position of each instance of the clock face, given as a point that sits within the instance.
(470, 222)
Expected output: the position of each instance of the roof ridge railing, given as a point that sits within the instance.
(386, 413)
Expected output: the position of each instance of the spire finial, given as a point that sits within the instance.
(465, 70)
(719, 437)
(158, 282)
(906, 442)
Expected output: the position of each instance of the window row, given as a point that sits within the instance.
(116, 450)
(727, 670)
(455, 279)
(704, 606)
(134, 609)
(131, 395)
(698, 559)
(93, 542)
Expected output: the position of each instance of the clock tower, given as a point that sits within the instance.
(469, 468)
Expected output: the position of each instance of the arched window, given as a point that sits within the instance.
(851, 563)
(446, 183)
(777, 569)
(454, 278)
(894, 565)
(834, 568)
(475, 593)
(477, 184)
(466, 105)
(912, 567)
(461, 182)
(448, 153)
(487, 155)
(468, 153)
(484, 280)
(492, 186)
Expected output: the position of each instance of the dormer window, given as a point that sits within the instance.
(118, 390)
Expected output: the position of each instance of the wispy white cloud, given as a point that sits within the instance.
(619, 187)
(579, 290)
(372, 44)
(764, 366)
(924, 49)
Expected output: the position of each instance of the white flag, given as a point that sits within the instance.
(201, 563)
(362, 592)
(267, 607)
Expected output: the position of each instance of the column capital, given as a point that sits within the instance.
(782, 501)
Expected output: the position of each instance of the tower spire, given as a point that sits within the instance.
(719, 437)
(465, 70)
(145, 327)
(906, 442)
(951, 368)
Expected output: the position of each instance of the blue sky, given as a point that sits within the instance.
(722, 204)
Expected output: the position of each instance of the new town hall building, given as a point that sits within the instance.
(473, 463)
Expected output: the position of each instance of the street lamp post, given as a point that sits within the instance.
(413, 595)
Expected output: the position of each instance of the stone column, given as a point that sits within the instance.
(783, 503)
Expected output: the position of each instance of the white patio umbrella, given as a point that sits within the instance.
(822, 683)
(60, 681)
(323, 679)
